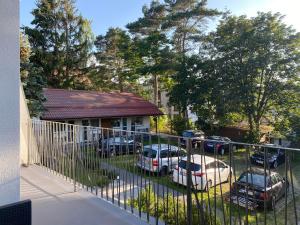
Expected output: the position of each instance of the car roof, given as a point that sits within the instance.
(269, 145)
(260, 171)
(197, 158)
(215, 137)
(161, 147)
(194, 131)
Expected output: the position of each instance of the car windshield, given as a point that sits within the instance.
(199, 134)
(150, 153)
(187, 134)
(272, 151)
(119, 140)
(269, 151)
(254, 179)
(194, 167)
(214, 138)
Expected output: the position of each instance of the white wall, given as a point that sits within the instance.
(9, 102)
(27, 139)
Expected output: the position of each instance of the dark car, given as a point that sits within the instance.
(195, 135)
(220, 143)
(259, 188)
(274, 156)
(119, 146)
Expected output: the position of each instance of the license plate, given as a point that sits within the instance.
(210, 145)
(243, 191)
(241, 201)
(250, 193)
(259, 161)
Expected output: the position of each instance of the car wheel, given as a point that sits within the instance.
(208, 185)
(271, 203)
(164, 171)
(275, 164)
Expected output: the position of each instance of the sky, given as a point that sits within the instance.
(117, 13)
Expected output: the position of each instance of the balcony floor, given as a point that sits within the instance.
(54, 202)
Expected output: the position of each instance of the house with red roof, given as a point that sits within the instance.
(117, 110)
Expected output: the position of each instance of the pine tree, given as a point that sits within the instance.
(185, 22)
(117, 58)
(61, 41)
(31, 78)
(153, 45)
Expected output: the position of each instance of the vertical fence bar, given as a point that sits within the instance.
(74, 157)
(28, 141)
(189, 183)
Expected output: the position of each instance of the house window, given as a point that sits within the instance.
(136, 122)
(95, 122)
(116, 123)
(124, 123)
(70, 129)
(85, 123)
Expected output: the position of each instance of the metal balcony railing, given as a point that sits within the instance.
(167, 179)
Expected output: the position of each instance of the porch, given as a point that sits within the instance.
(55, 202)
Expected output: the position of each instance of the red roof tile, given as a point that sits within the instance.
(75, 104)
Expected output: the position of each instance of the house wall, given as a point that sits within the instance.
(24, 132)
(144, 127)
(234, 133)
(280, 141)
(9, 102)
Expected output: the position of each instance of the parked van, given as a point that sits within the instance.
(160, 158)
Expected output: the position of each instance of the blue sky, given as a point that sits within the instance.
(117, 13)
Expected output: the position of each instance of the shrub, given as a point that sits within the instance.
(156, 206)
(179, 124)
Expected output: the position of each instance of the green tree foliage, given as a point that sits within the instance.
(248, 66)
(286, 115)
(186, 21)
(61, 41)
(256, 59)
(185, 24)
(117, 61)
(31, 78)
(153, 46)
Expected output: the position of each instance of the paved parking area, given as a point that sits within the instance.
(55, 202)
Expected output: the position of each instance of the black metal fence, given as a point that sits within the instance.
(168, 179)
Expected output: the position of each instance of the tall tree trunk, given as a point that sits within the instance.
(155, 88)
(253, 129)
(186, 117)
(121, 86)
(67, 71)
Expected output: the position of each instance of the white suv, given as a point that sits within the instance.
(160, 158)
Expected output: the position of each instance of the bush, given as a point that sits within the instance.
(163, 124)
(179, 124)
(156, 206)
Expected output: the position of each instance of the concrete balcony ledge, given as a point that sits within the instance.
(55, 202)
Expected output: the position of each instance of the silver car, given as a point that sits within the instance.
(160, 158)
